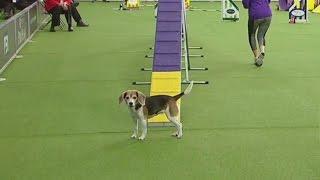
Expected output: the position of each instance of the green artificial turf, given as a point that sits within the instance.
(60, 118)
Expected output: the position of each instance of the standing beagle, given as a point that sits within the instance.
(142, 108)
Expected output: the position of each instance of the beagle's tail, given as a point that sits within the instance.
(185, 92)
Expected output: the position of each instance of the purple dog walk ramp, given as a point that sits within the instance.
(167, 48)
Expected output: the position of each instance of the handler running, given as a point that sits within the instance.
(260, 16)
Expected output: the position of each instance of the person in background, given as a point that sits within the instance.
(8, 8)
(57, 7)
(76, 15)
(67, 7)
(21, 4)
(260, 16)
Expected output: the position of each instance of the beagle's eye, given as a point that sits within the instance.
(127, 97)
(134, 97)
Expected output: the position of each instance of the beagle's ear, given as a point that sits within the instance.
(121, 97)
(141, 98)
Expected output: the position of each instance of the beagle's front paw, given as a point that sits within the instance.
(175, 134)
(141, 138)
(133, 136)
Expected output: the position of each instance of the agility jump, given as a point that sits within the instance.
(298, 12)
(230, 11)
(129, 4)
(299, 9)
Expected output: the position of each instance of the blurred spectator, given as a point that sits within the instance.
(57, 7)
(21, 4)
(67, 7)
(8, 8)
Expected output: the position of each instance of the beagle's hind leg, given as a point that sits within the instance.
(175, 121)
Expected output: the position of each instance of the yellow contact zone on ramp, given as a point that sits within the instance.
(317, 10)
(310, 4)
(165, 83)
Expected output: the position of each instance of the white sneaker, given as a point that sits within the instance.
(259, 60)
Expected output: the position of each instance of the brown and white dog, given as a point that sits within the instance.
(142, 108)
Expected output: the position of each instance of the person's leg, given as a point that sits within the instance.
(55, 15)
(252, 28)
(67, 14)
(263, 28)
(75, 14)
(77, 17)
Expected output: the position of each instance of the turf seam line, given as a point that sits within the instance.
(162, 129)
(62, 81)
(115, 80)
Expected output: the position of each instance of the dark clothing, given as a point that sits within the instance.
(5, 3)
(75, 14)
(258, 9)
(59, 10)
(55, 12)
(262, 25)
(8, 8)
(21, 4)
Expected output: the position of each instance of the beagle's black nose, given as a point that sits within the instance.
(130, 103)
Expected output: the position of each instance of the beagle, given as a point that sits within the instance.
(142, 108)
